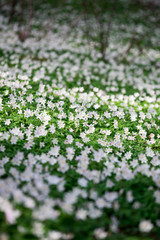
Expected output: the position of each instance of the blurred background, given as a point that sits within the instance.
(97, 20)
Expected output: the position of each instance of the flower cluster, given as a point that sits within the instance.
(73, 149)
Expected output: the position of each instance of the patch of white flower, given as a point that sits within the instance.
(60, 144)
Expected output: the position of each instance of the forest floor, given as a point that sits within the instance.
(80, 136)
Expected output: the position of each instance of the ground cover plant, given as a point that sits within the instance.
(80, 125)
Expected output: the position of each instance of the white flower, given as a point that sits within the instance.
(82, 182)
(100, 233)
(54, 151)
(149, 152)
(82, 135)
(142, 158)
(85, 139)
(42, 144)
(40, 131)
(145, 226)
(10, 213)
(81, 214)
(54, 235)
(79, 145)
(61, 124)
(38, 229)
(157, 196)
(107, 114)
(7, 121)
(111, 196)
(128, 155)
(52, 128)
(100, 203)
(29, 98)
(108, 132)
(14, 139)
(2, 148)
(115, 124)
(28, 113)
(70, 139)
(55, 141)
